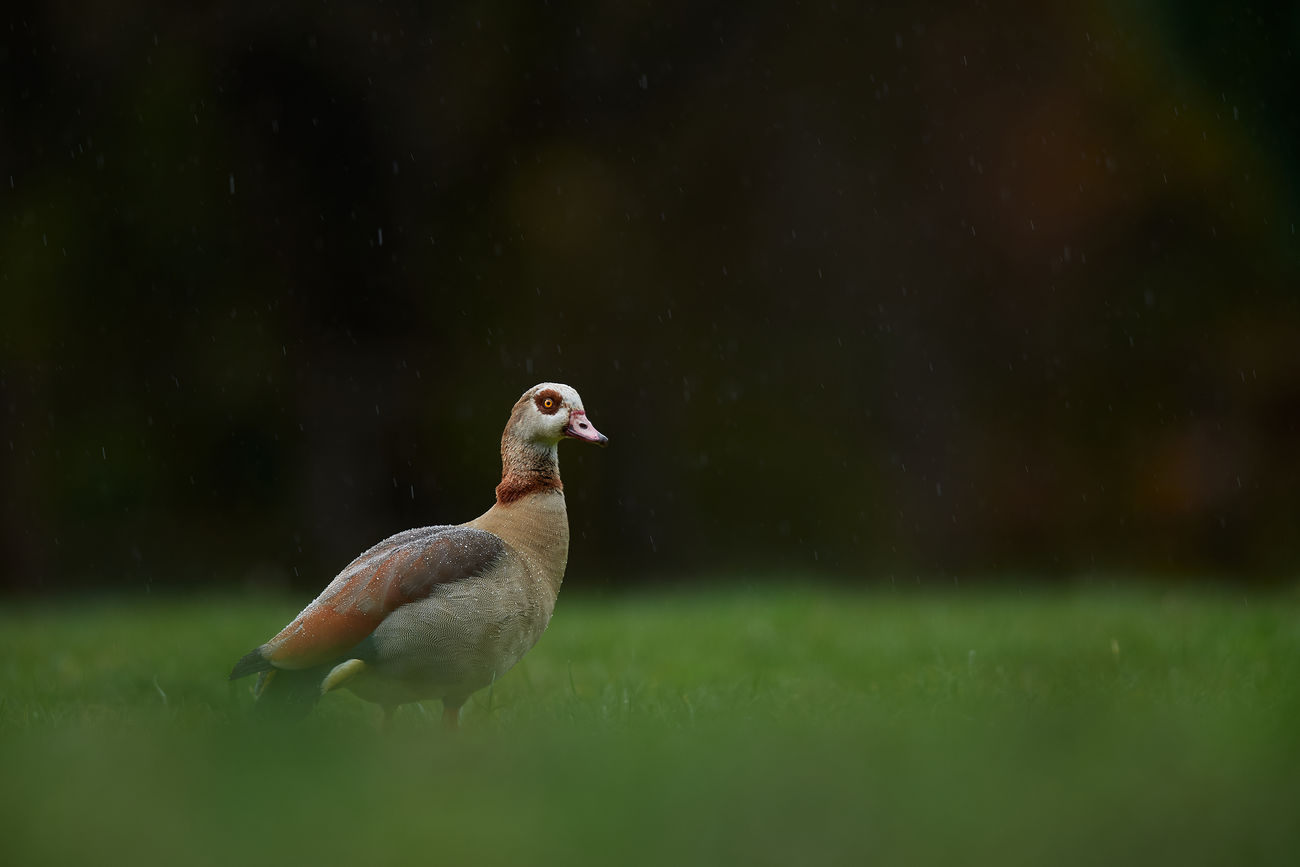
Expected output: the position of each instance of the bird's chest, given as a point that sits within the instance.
(465, 635)
(469, 632)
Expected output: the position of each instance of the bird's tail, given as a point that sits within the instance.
(253, 661)
(279, 691)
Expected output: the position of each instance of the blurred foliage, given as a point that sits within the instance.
(935, 287)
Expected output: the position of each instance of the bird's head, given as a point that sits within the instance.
(550, 412)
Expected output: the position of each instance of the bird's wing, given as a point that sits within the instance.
(400, 569)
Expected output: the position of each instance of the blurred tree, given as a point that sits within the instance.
(856, 291)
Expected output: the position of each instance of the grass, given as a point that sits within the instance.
(772, 726)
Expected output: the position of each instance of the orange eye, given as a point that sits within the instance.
(548, 401)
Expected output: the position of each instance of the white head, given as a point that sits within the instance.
(551, 411)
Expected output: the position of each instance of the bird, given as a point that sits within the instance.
(440, 612)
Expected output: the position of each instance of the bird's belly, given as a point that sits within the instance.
(454, 642)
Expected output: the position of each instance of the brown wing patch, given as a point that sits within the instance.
(401, 569)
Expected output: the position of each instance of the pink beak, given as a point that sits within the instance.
(581, 429)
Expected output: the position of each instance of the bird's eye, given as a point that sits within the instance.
(548, 401)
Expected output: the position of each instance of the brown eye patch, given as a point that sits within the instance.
(548, 401)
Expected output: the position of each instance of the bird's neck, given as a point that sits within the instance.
(527, 468)
(530, 513)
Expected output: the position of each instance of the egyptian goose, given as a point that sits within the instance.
(440, 612)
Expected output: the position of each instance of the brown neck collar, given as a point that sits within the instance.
(526, 468)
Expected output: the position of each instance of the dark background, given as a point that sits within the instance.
(915, 293)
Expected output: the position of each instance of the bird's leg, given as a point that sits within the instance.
(386, 721)
(450, 716)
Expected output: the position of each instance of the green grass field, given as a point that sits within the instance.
(755, 726)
